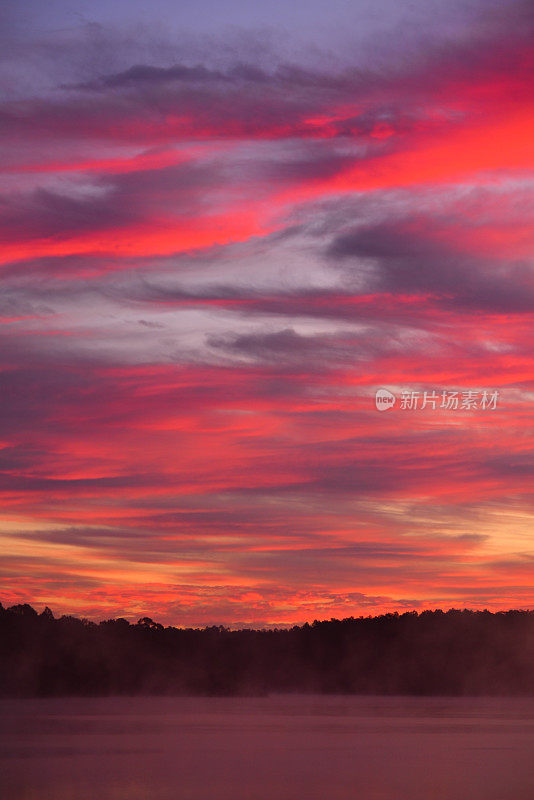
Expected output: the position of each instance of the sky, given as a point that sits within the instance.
(224, 226)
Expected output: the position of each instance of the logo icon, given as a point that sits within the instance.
(384, 400)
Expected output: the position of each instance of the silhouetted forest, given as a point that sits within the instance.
(431, 653)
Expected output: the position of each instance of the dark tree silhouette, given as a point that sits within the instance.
(431, 653)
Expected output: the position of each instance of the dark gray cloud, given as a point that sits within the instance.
(410, 259)
(520, 465)
(142, 73)
(44, 213)
(108, 202)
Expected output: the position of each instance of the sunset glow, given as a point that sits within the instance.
(214, 249)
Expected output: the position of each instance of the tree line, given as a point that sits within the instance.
(457, 652)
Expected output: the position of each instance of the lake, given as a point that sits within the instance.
(289, 747)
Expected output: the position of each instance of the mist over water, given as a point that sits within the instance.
(290, 747)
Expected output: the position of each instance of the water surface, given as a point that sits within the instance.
(271, 748)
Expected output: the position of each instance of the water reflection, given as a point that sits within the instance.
(270, 748)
